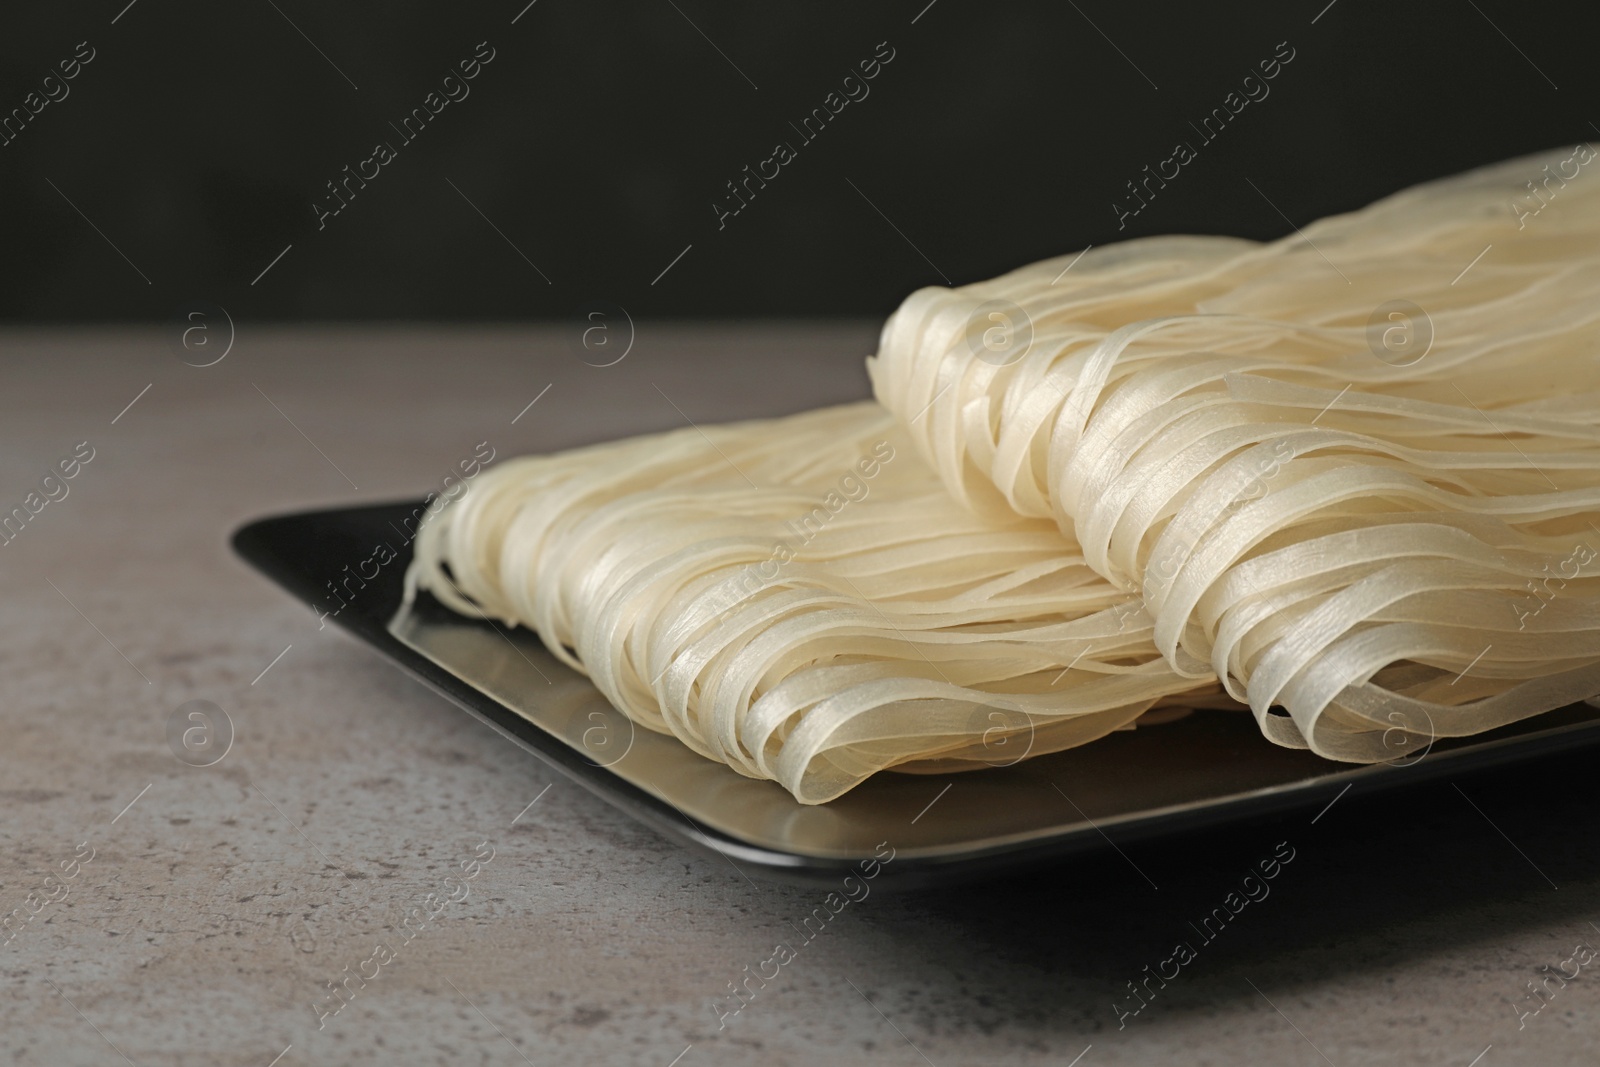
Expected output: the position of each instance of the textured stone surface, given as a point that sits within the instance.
(219, 905)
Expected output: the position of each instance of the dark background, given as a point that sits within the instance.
(600, 135)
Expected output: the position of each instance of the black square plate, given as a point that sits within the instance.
(1209, 768)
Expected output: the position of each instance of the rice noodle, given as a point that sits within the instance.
(1385, 543)
(1350, 478)
(799, 599)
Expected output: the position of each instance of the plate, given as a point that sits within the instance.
(1209, 768)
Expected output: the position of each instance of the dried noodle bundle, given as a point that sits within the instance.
(1353, 474)
(1379, 516)
(800, 599)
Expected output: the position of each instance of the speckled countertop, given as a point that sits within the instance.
(209, 908)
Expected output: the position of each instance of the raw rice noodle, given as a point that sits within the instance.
(800, 599)
(1350, 478)
(1354, 473)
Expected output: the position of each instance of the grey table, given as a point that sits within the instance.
(211, 909)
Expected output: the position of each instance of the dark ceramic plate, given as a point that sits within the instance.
(1207, 769)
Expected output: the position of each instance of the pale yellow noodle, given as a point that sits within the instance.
(1353, 474)
(800, 599)
(1388, 543)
